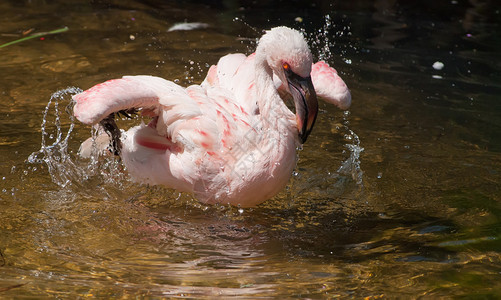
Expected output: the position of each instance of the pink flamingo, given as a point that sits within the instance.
(231, 140)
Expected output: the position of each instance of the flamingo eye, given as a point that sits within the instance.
(286, 66)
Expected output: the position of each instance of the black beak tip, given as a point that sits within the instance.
(303, 136)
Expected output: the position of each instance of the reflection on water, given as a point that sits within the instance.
(398, 197)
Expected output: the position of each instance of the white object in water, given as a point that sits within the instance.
(188, 26)
(438, 65)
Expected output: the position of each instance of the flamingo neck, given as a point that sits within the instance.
(274, 113)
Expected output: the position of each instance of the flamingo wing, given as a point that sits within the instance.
(196, 117)
(235, 73)
(329, 86)
(169, 104)
(98, 102)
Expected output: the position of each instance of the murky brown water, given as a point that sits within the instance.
(416, 213)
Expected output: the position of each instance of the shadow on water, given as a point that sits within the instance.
(399, 197)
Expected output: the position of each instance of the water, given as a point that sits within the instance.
(397, 198)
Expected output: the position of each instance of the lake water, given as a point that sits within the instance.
(399, 197)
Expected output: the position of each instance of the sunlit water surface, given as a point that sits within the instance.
(398, 197)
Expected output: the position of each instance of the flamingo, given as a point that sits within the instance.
(231, 139)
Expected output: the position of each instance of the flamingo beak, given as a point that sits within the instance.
(305, 101)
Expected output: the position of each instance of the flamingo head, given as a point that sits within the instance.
(289, 57)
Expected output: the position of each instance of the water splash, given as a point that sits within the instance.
(323, 40)
(64, 167)
(61, 167)
(255, 29)
(251, 42)
(351, 166)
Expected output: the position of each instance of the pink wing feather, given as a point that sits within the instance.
(98, 102)
(329, 86)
